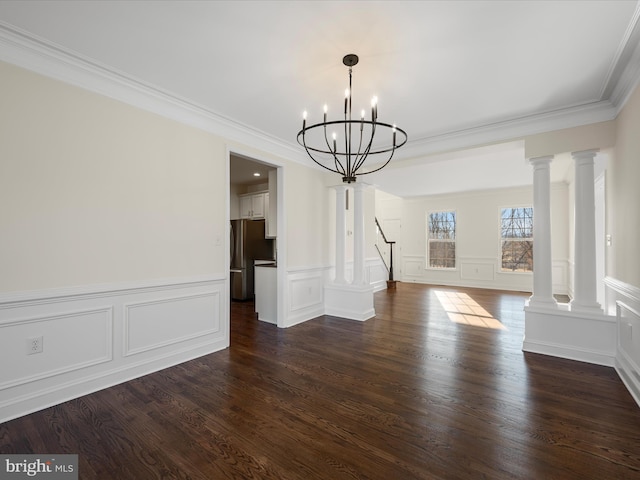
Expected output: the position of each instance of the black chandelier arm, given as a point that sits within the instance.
(349, 161)
(336, 160)
(381, 167)
(324, 166)
(347, 148)
(367, 150)
(341, 172)
(360, 147)
(302, 132)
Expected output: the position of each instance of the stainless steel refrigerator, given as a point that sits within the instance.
(247, 245)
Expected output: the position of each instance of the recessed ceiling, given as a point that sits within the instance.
(242, 171)
(440, 69)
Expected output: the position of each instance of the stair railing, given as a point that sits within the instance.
(391, 282)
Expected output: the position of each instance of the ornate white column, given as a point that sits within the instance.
(542, 260)
(342, 299)
(341, 233)
(584, 272)
(358, 235)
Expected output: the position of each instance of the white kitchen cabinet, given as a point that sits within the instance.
(252, 205)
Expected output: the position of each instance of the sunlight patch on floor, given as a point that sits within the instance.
(463, 309)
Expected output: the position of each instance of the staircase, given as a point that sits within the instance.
(391, 283)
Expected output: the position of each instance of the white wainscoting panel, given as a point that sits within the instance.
(413, 268)
(306, 294)
(158, 323)
(561, 333)
(98, 336)
(627, 301)
(377, 274)
(628, 355)
(71, 341)
(475, 272)
(483, 271)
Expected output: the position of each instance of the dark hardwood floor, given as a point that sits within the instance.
(435, 387)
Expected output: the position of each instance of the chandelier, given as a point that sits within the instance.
(352, 141)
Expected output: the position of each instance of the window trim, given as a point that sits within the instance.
(455, 240)
(499, 258)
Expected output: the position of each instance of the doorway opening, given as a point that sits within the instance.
(255, 219)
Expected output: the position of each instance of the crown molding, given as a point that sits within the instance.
(629, 79)
(509, 130)
(33, 53)
(624, 72)
(46, 58)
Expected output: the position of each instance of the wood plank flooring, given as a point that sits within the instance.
(435, 387)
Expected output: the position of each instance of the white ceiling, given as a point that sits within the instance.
(246, 171)
(444, 71)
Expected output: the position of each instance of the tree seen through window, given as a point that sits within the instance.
(441, 240)
(517, 239)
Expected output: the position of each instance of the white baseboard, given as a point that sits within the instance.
(573, 335)
(98, 336)
(569, 352)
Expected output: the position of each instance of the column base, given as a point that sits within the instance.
(542, 302)
(593, 308)
(565, 334)
(354, 302)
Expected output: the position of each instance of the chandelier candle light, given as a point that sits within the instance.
(347, 161)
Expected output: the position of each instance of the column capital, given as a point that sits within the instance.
(541, 160)
(583, 155)
(360, 186)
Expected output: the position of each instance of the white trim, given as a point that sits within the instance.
(628, 369)
(281, 227)
(630, 291)
(53, 395)
(108, 349)
(129, 307)
(623, 81)
(28, 51)
(377, 274)
(352, 302)
(576, 116)
(36, 297)
(557, 331)
(569, 352)
(68, 369)
(300, 309)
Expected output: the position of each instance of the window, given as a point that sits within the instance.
(441, 240)
(517, 239)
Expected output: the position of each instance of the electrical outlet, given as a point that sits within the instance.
(34, 345)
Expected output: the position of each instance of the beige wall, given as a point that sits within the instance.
(306, 211)
(478, 236)
(597, 135)
(623, 196)
(93, 191)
